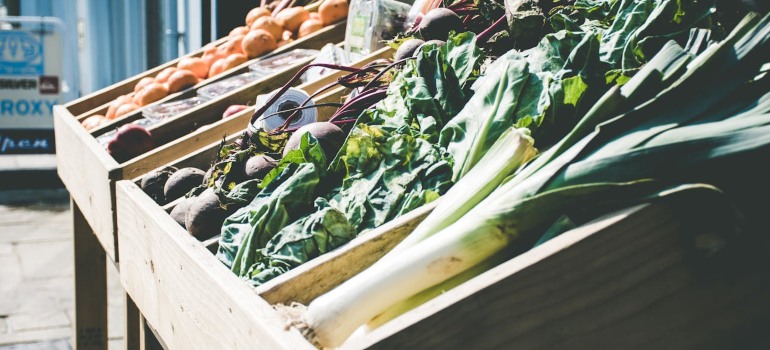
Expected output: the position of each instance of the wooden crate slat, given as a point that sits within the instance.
(191, 299)
(86, 169)
(622, 282)
(306, 282)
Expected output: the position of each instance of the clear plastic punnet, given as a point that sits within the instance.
(371, 23)
(170, 109)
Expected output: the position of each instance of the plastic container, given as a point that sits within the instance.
(170, 109)
(271, 64)
(212, 91)
(371, 23)
(331, 54)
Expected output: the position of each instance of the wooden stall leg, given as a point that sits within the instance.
(149, 340)
(133, 325)
(90, 286)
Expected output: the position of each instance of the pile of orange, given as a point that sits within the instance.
(262, 34)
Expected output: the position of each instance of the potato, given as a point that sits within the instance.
(164, 74)
(115, 104)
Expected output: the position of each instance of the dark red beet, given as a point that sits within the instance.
(130, 141)
(179, 213)
(330, 136)
(438, 43)
(407, 49)
(205, 216)
(437, 23)
(182, 181)
(258, 166)
(154, 182)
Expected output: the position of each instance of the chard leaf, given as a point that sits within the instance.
(299, 242)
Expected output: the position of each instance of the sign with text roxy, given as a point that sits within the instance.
(31, 65)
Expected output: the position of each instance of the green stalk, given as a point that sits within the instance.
(512, 149)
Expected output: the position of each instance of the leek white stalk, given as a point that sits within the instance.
(332, 317)
(512, 149)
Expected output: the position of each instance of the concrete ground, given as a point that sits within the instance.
(36, 272)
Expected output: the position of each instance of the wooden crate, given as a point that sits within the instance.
(89, 172)
(631, 279)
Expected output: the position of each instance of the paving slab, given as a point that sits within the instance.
(45, 259)
(36, 274)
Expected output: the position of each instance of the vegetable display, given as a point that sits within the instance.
(687, 120)
(525, 118)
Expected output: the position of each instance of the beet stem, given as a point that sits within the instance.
(485, 35)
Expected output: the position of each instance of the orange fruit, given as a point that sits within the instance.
(117, 103)
(309, 26)
(242, 30)
(315, 15)
(143, 82)
(293, 17)
(164, 74)
(181, 80)
(150, 94)
(234, 60)
(93, 121)
(197, 65)
(258, 42)
(217, 67)
(209, 48)
(332, 11)
(125, 109)
(233, 45)
(269, 24)
(255, 13)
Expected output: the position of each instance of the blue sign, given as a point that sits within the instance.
(21, 53)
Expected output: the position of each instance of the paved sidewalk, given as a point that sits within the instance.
(36, 273)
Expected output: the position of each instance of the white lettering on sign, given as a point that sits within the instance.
(7, 144)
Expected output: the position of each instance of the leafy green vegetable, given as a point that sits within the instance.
(389, 164)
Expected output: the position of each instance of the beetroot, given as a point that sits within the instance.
(407, 49)
(437, 23)
(438, 43)
(258, 166)
(130, 141)
(205, 216)
(182, 181)
(179, 213)
(329, 136)
(154, 182)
